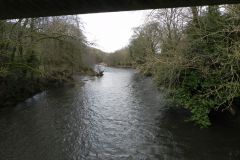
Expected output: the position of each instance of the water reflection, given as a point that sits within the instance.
(118, 116)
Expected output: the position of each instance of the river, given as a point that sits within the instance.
(120, 116)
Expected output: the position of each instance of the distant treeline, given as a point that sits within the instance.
(194, 56)
(120, 58)
(40, 52)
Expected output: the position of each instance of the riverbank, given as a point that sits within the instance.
(13, 91)
(224, 114)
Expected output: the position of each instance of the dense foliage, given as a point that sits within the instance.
(194, 56)
(37, 51)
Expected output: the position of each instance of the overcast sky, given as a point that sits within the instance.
(111, 31)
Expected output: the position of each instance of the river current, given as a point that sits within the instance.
(120, 116)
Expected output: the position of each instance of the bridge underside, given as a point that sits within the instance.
(10, 9)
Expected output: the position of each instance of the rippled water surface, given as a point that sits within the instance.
(118, 116)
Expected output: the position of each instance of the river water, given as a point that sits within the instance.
(118, 116)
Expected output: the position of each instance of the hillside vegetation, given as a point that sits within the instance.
(193, 55)
(36, 53)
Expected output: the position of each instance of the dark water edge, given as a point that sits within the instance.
(118, 116)
(19, 90)
(23, 90)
